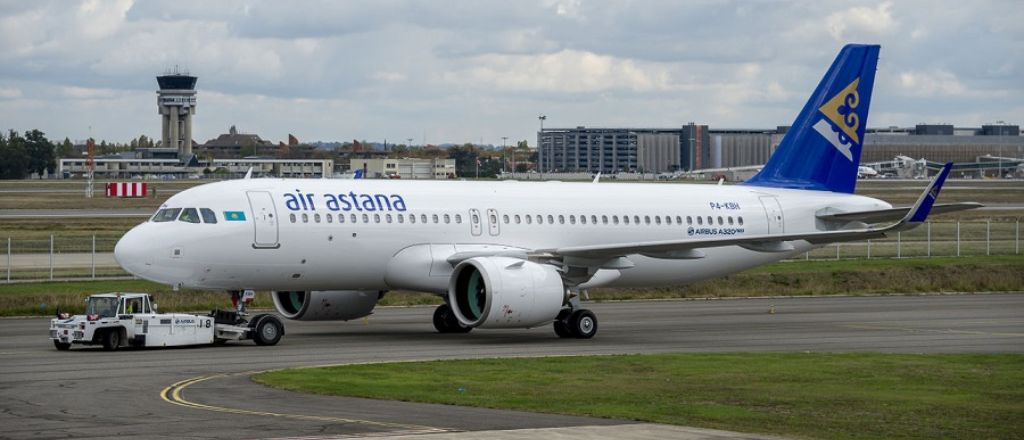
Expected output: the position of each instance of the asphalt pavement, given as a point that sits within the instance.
(205, 392)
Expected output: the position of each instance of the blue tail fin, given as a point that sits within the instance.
(821, 151)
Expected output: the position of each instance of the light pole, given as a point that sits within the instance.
(540, 152)
(504, 161)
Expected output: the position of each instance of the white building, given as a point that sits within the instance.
(405, 168)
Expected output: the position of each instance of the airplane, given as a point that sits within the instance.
(865, 171)
(512, 254)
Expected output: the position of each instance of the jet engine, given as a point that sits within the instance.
(503, 292)
(325, 305)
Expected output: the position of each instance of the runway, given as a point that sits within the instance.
(89, 393)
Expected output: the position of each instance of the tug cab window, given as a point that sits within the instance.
(189, 215)
(166, 215)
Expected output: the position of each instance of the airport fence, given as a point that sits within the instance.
(92, 257)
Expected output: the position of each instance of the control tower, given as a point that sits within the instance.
(176, 100)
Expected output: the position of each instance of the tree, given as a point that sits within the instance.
(65, 149)
(15, 159)
(40, 152)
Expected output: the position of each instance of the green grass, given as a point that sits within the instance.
(849, 277)
(843, 277)
(21, 299)
(827, 396)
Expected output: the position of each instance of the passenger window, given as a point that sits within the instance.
(504, 218)
(291, 217)
(615, 219)
(366, 218)
(647, 219)
(730, 220)
(341, 218)
(376, 218)
(740, 220)
(458, 219)
(540, 219)
(423, 218)
(551, 219)
(354, 218)
(636, 219)
(593, 219)
(189, 215)
(208, 215)
(476, 219)
(529, 219)
(166, 215)
(679, 220)
(711, 221)
(572, 219)
(657, 219)
(494, 219)
(401, 218)
(447, 218)
(668, 219)
(412, 218)
(518, 219)
(625, 219)
(316, 217)
(330, 218)
(604, 219)
(720, 222)
(435, 218)
(388, 217)
(561, 219)
(583, 219)
(305, 217)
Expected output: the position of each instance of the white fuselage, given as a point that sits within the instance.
(292, 239)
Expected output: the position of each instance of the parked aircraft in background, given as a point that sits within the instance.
(519, 254)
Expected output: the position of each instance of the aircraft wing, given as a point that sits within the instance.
(690, 248)
(891, 214)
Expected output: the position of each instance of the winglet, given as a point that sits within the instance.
(919, 213)
(248, 174)
(597, 178)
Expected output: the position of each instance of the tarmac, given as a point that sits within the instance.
(206, 392)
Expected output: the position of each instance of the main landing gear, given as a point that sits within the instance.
(445, 321)
(579, 324)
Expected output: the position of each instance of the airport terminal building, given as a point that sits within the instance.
(696, 147)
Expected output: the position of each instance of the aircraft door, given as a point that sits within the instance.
(264, 219)
(474, 221)
(773, 212)
(492, 222)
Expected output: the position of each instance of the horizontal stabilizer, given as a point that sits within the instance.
(885, 215)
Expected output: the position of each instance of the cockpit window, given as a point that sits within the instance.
(208, 215)
(166, 215)
(189, 215)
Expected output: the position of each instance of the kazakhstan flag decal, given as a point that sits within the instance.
(234, 216)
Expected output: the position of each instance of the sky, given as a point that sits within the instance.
(475, 71)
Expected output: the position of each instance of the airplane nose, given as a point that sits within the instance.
(130, 253)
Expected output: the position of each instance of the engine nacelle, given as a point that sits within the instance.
(325, 305)
(503, 292)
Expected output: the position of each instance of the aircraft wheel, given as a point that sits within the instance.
(268, 331)
(445, 321)
(561, 324)
(583, 324)
(62, 346)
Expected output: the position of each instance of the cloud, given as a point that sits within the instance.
(860, 20)
(461, 70)
(9, 93)
(567, 71)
